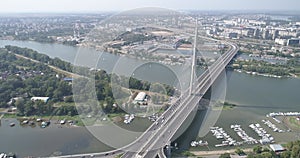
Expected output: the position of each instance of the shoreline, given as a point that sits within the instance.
(252, 73)
(218, 152)
(152, 58)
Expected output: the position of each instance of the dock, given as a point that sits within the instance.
(220, 133)
(243, 135)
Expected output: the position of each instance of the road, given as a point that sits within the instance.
(67, 73)
(170, 121)
(160, 133)
(150, 143)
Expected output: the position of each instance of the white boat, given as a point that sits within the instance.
(2, 155)
(62, 122)
(220, 145)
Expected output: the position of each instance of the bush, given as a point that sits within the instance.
(225, 155)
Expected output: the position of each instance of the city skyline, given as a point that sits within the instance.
(31, 6)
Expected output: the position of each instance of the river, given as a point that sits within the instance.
(255, 95)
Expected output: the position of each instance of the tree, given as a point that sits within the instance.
(285, 154)
(239, 151)
(29, 109)
(266, 155)
(295, 151)
(251, 155)
(257, 149)
(289, 146)
(20, 106)
(39, 106)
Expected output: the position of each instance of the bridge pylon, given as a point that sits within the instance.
(194, 59)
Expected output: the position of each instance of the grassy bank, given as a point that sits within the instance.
(75, 118)
(79, 120)
(224, 106)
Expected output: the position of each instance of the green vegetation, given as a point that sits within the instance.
(71, 43)
(228, 106)
(10, 116)
(187, 153)
(292, 121)
(292, 66)
(263, 67)
(118, 156)
(240, 152)
(130, 38)
(35, 36)
(257, 149)
(292, 151)
(224, 106)
(40, 57)
(22, 79)
(25, 79)
(225, 155)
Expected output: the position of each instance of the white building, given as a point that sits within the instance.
(277, 147)
(140, 97)
(44, 99)
(281, 41)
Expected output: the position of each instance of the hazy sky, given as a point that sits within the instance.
(116, 5)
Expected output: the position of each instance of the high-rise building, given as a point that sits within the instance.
(275, 34)
(266, 34)
(256, 33)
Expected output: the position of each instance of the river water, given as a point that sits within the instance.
(255, 95)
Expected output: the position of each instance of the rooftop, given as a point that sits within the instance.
(276, 147)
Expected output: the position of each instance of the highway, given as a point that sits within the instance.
(171, 120)
(151, 142)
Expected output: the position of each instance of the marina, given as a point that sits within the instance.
(243, 135)
(9, 155)
(266, 138)
(274, 114)
(255, 134)
(272, 126)
(199, 143)
(220, 133)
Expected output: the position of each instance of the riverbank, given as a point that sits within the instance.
(292, 122)
(266, 67)
(255, 96)
(70, 121)
(264, 74)
(53, 140)
(218, 152)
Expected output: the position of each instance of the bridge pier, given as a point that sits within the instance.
(168, 150)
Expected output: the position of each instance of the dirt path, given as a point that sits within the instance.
(67, 73)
